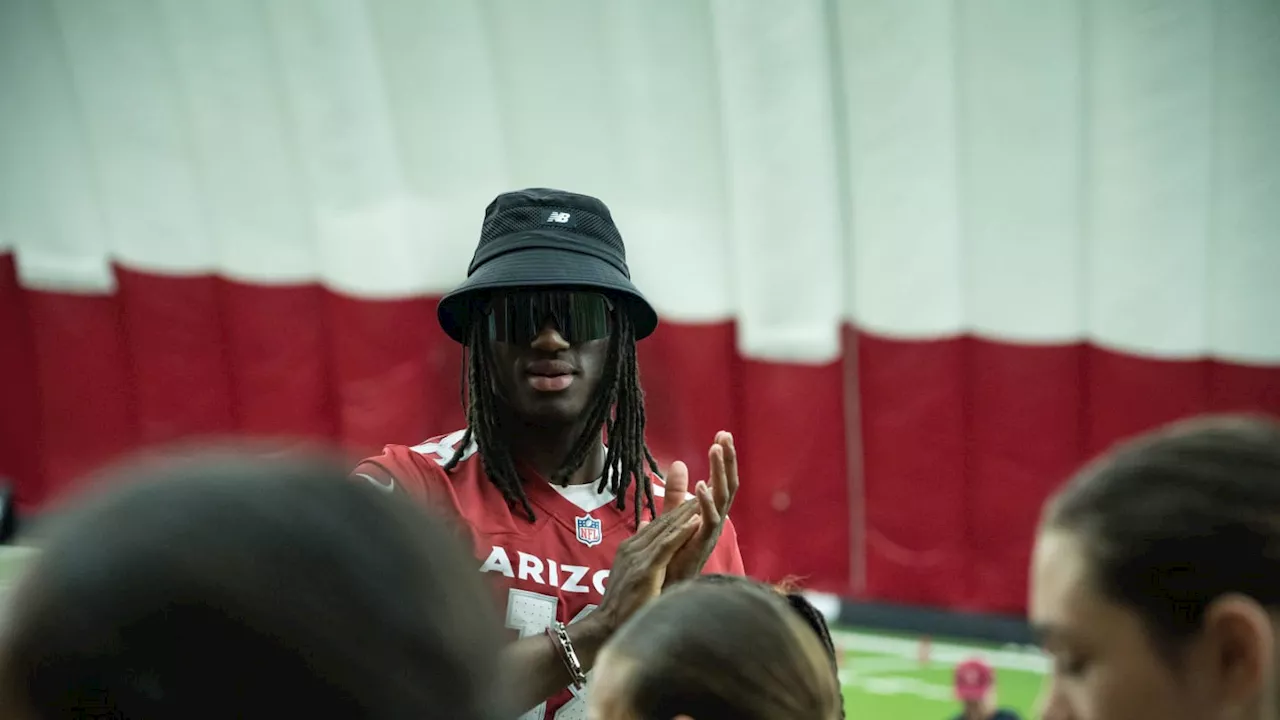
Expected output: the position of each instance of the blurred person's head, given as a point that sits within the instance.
(975, 682)
(228, 587)
(713, 649)
(549, 319)
(1156, 577)
(804, 609)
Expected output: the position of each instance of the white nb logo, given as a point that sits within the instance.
(558, 217)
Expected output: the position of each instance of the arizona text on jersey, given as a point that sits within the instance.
(553, 568)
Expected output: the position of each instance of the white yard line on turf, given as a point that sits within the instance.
(1010, 658)
(913, 687)
(868, 665)
(18, 552)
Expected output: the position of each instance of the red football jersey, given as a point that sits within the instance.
(555, 568)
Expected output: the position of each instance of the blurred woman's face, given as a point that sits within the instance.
(1105, 666)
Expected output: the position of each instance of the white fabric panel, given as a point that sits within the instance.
(139, 135)
(781, 161)
(362, 209)
(1019, 86)
(49, 208)
(1244, 246)
(252, 193)
(1148, 164)
(1106, 170)
(672, 202)
(557, 110)
(579, 114)
(899, 69)
(438, 71)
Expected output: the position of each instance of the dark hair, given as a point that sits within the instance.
(815, 620)
(618, 409)
(229, 587)
(717, 648)
(1178, 517)
(811, 615)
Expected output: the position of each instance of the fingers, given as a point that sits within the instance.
(730, 464)
(677, 487)
(649, 532)
(707, 506)
(677, 513)
(673, 537)
(719, 483)
(717, 456)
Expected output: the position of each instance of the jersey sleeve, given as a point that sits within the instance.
(399, 470)
(726, 558)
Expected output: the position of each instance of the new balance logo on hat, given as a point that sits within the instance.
(545, 237)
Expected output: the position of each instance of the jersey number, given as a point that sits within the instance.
(530, 614)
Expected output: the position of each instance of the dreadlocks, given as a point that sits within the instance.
(618, 409)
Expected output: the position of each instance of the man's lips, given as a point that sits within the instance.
(549, 375)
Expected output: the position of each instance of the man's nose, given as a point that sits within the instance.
(549, 339)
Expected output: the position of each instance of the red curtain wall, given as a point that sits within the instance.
(908, 471)
(1005, 197)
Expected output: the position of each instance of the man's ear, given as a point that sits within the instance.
(1239, 643)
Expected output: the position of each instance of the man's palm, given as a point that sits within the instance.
(714, 499)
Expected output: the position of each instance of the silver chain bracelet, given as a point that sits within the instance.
(560, 636)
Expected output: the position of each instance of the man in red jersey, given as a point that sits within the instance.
(554, 446)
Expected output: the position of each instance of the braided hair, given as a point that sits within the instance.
(617, 409)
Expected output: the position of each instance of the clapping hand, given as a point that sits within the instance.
(714, 498)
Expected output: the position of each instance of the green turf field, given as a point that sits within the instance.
(884, 676)
(11, 561)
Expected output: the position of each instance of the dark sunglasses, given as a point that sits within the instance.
(519, 317)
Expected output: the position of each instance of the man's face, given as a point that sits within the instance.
(549, 352)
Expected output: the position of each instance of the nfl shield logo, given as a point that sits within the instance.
(588, 530)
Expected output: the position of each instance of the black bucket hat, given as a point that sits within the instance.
(542, 238)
